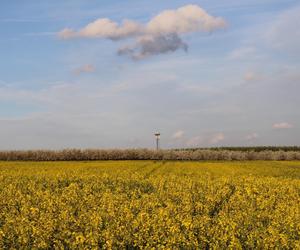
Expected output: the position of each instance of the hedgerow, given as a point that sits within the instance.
(146, 154)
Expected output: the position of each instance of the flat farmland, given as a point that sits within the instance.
(150, 204)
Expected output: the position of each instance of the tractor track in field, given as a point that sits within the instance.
(147, 175)
(214, 212)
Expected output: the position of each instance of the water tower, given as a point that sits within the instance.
(157, 136)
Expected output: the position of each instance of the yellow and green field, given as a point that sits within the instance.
(148, 204)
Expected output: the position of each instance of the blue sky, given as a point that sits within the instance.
(236, 85)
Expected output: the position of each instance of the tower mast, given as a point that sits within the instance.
(157, 136)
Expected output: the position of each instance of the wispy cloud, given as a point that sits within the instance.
(216, 138)
(195, 141)
(282, 125)
(252, 137)
(243, 53)
(251, 76)
(284, 32)
(162, 34)
(46, 33)
(87, 68)
(3, 83)
(178, 135)
(19, 20)
(205, 140)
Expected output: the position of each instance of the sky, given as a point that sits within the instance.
(109, 74)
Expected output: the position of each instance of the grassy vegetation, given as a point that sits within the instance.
(144, 204)
(228, 154)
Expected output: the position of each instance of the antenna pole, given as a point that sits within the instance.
(157, 135)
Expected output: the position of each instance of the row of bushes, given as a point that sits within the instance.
(255, 149)
(145, 154)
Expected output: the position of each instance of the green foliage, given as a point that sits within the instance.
(150, 205)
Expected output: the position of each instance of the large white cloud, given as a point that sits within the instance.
(160, 35)
(190, 18)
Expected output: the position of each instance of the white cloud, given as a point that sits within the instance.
(105, 28)
(190, 18)
(252, 136)
(216, 138)
(282, 125)
(178, 134)
(87, 68)
(160, 35)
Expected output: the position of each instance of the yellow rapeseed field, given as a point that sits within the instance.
(150, 205)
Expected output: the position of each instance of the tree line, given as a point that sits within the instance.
(229, 154)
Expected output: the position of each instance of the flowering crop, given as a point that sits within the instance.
(150, 205)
